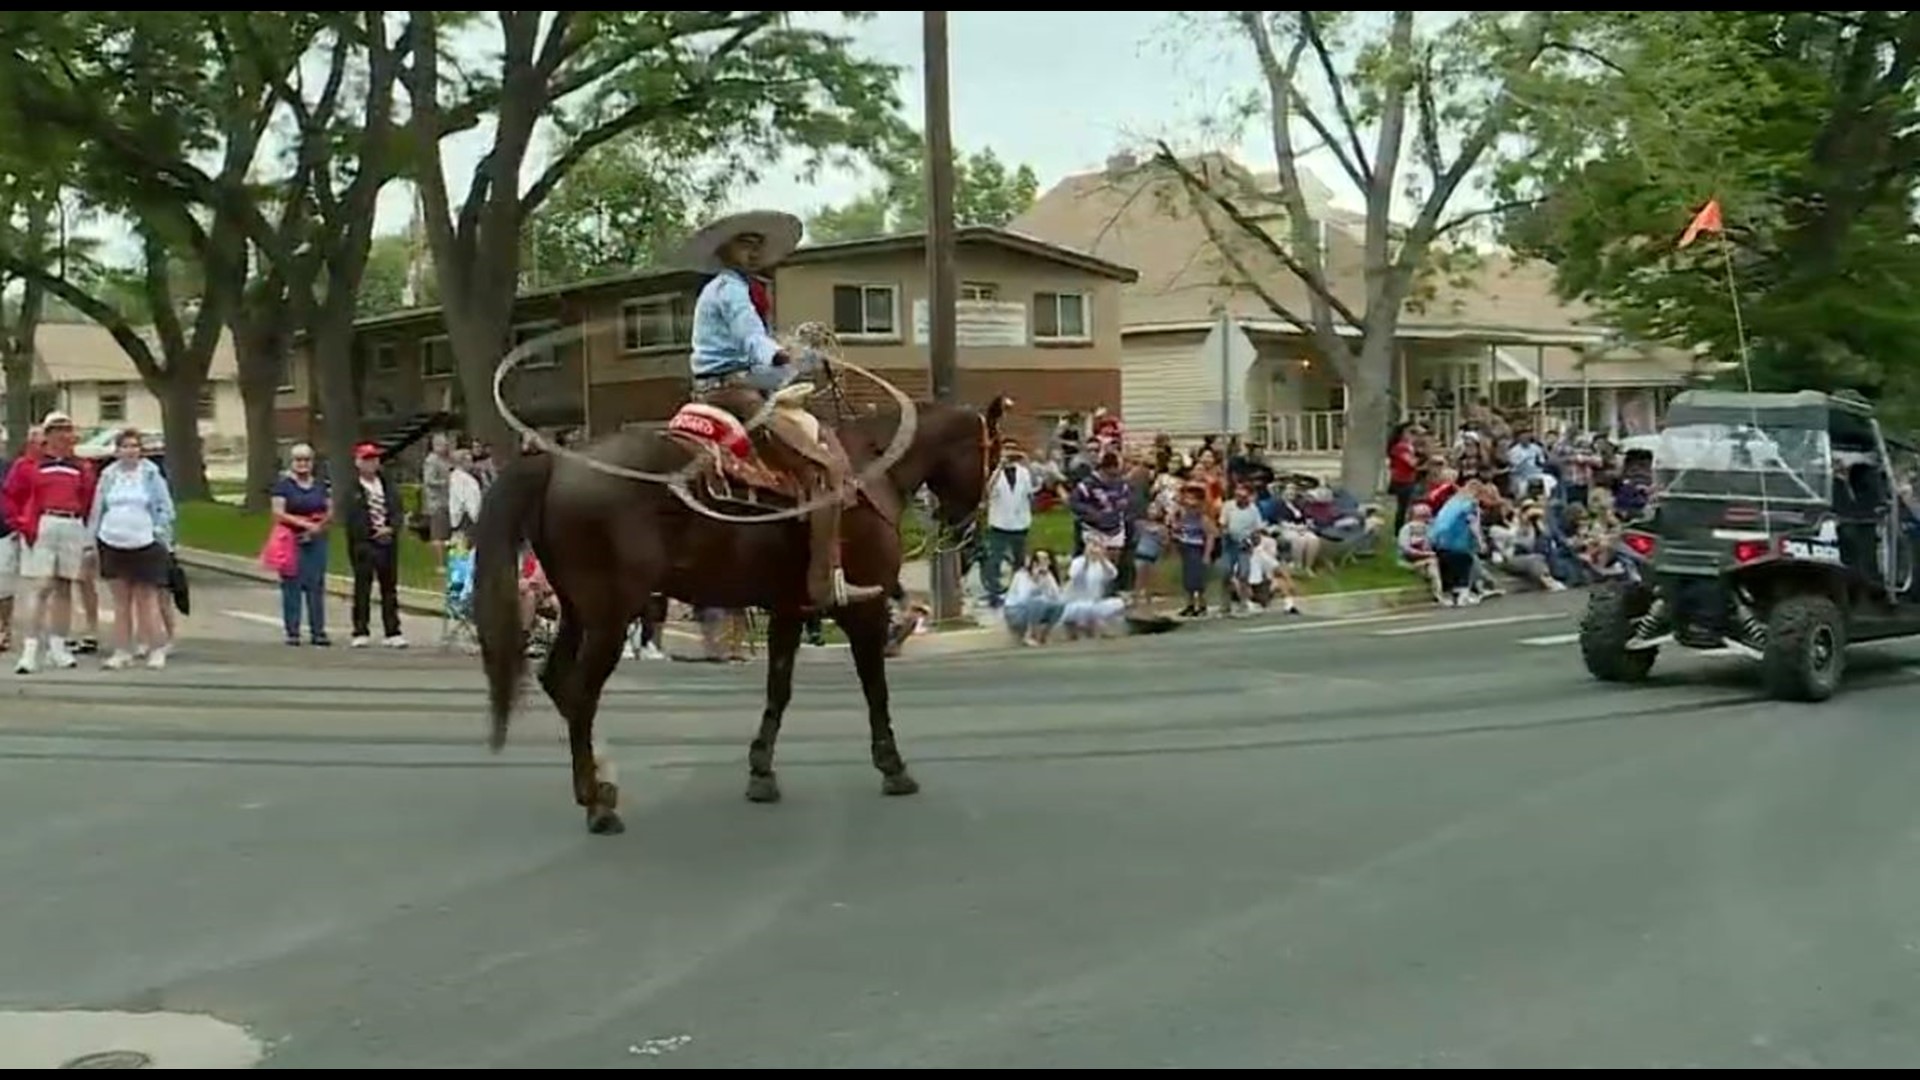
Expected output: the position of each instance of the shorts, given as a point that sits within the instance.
(9, 564)
(148, 565)
(58, 552)
(439, 525)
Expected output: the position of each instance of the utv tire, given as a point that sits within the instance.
(1806, 653)
(1607, 627)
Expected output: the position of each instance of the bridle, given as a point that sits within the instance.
(948, 539)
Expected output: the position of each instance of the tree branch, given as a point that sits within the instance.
(1285, 97)
(101, 312)
(1312, 279)
(1310, 26)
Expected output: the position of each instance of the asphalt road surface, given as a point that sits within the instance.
(1401, 841)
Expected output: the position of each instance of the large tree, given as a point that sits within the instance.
(1802, 124)
(125, 87)
(734, 87)
(1370, 89)
(985, 192)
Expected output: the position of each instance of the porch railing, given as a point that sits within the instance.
(1324, 431)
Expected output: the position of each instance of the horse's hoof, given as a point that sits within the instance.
(605, 823)
(899, 784)
(763, 789)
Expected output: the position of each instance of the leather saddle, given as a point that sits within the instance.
(752, 469)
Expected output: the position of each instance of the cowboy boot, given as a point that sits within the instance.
(827, 585)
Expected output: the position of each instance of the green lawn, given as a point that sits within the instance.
(225, 529)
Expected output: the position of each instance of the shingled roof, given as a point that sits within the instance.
(1141, 217)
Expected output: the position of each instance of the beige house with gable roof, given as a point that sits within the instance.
(82, 371)
(1497, 331)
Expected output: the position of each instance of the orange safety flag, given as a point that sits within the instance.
(1706, 221)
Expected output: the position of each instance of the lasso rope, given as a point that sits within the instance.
(817, 339)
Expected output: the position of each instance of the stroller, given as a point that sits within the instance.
(456, 616)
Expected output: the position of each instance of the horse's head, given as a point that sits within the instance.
(960, 447)
(954, 449)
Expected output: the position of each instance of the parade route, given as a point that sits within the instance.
(1416, 839)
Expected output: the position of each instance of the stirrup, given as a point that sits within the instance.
(846, 593)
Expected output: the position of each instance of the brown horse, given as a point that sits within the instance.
(608, 543)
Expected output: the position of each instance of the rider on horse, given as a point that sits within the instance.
(738, 364)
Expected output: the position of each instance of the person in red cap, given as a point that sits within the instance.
(373, 539)
(47, 500)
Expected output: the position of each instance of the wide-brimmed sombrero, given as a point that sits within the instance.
(779, 231)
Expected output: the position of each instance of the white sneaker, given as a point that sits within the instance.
(29, 657)
(61, 658)
(650, 651)
(157, 659)
(117, 661)
(396, 642)
(360, 641)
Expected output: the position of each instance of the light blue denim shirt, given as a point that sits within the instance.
(728, 334)
(153, 486)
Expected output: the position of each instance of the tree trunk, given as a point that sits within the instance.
(259, 349)
(20, 350)
(180, 423)
(19, 375)
(1370, 416)
(480, 343)
(331, 346)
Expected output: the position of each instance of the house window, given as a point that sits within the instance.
(1060, 316)
(655, 322)
(436, 358)
(286, 375)
(208, 407)
(386, 358)
(545, 356)
(113, 403)
(979, 290)
(871, 311)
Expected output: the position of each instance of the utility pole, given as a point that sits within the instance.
(942, 291)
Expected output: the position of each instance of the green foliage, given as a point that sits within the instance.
(628, 204)
(985, 192)
(1802, 125)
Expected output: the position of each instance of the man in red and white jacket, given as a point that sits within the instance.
(46, 497)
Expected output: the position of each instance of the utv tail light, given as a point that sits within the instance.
(1747, 551)
(1639, 543)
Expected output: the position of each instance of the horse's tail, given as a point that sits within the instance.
(508, 515)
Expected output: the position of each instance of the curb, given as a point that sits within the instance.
(412, 601)
(1368, 602)
(423, 602)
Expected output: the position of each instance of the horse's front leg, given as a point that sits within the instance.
(783, 648)
(866, 627)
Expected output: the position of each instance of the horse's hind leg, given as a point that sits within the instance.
(783, 647)
(594, 783)
(866, 629)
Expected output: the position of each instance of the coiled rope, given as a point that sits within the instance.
(813, 339)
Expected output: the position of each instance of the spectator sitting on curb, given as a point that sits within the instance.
(1033, 603)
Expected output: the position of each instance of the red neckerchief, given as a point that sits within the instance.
(762, 299)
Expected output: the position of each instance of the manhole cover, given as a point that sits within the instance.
(110, 1059)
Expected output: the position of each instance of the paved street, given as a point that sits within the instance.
(1417, 840)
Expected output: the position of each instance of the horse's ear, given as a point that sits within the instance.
(1001, 403)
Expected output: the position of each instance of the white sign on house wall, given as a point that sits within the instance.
(980, 324)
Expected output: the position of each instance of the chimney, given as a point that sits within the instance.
(1121, 163)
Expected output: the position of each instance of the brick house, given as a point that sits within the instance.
(1037, 321)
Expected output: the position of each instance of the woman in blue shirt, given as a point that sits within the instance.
(303, 505)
